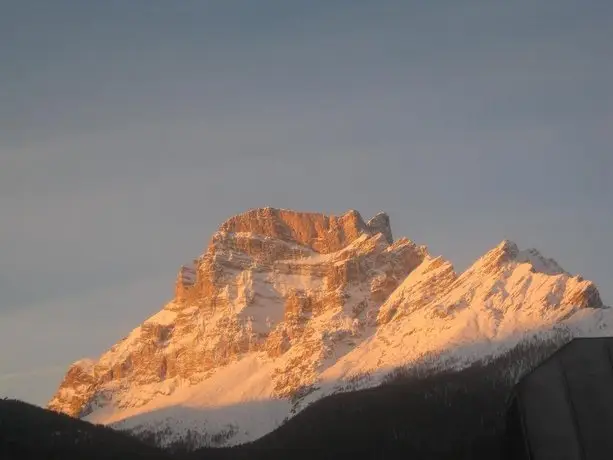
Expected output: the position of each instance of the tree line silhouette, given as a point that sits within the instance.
(421, 412)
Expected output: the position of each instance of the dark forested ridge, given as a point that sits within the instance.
(30, 432)
(420, 413)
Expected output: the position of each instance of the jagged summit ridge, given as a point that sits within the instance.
(320, 232)
(266, 279)
(286, 306)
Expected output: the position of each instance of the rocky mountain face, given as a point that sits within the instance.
(285, 307)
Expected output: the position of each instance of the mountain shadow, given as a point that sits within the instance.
(30, 432)
(416, 414)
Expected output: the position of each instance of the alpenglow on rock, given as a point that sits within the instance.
(285, 307)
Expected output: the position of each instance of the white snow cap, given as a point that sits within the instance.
(508, 251)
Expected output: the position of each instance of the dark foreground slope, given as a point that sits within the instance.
(416, 415)
(30, 432)
(432, 415)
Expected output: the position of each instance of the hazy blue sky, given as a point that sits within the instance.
(130, 129)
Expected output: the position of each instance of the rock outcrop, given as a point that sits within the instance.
(284, 305)
(266, 275)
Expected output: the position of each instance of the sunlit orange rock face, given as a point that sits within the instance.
(321, 233)
(284, 307)
(265, 277)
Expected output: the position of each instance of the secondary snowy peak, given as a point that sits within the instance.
(284, 307)
(434, 311)
(507, 252)
(522, 279)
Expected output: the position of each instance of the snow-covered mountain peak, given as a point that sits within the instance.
(505, 250)
(507, 254)
(285, 306)
(507, 246)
